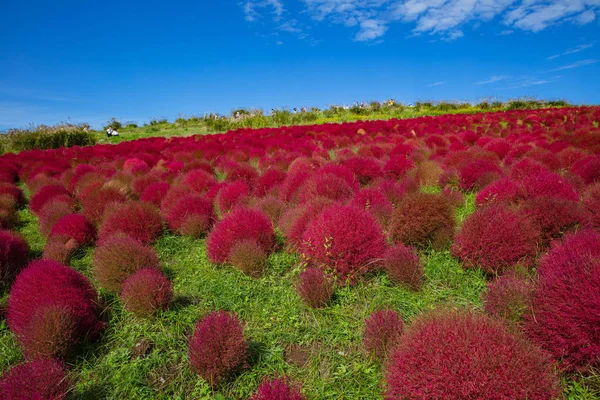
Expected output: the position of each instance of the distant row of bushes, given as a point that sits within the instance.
(46, 137)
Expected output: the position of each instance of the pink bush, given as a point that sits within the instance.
(50, 284)
(495, 238)
(566, 301)
(137, 219)
(217, 347)
(457, 355)
(14, 251)
(403, 266)
(38, 379)
(344, 239)
(146, 291)
(509, 296)
(239, 225)
(277, 389)
(383, 329)
(76, 227)
(314, 287)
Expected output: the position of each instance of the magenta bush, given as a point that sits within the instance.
(277, 389)
(495, 238)
(38, 379)
(383, 330)
(346, 240)
(217, 347)
(146, 291)
(14, 251)
(239, 225)
(48, 284)
(314, 287)
(404, 267)
(458, 355)
(565, 318)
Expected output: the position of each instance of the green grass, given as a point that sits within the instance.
(147, 359)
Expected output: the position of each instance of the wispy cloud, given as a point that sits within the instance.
(574, 50)
(251, 9)
(493, 79)
(581, 63)
(437, 83)
(447, 19)
(528, 81)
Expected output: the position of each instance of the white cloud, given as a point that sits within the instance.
(437, 84)
(493, 79)
(445, 18)
(585, 17)
(574, 50)
(581, 63)
(250, 8)
(370, 29)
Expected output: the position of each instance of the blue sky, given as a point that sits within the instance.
(87, 61)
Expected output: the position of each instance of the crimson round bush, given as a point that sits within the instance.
(232, 195)
(60, 249)
(346, 240)
(76, 227)
(277, 389)
(44, 195)
(565, 318)
(146, 291)
(509, 296)
(314, 287)
(137, 219)
(48, 285)
(553, 216)
(325, 185)
(51, 333)
(423, 219)
(495, 238)
(191, 215)
(14, 251)
(463, 355)
(591, 205)
(217, 347)
(383, 330)
(240, 224)
(119, 256)
(38, 379)
(249, 257)
(53, 212)
(155, 192)
(96, 203)
(12, 191)
(404, 267)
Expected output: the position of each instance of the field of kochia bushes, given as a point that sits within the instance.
(511, 197)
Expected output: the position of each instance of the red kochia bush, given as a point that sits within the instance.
(383, 329)
(44, 286)
(553, 216)
(234, 194)
(191, 215)
(44, 195)
(495, 238)
(118, 257)
(38, 379)
(8, 189)
(155, 193)
(146, 291)
(76, 227)
(51, 213)
(422, 219)
(137, 219)
(314, 287)
(240, 224)
(96, 203)
(478, 173)
(591, 205)
(52, 332)
(453, 355)
(344, 239)
(277, 389)
(565, 318)
(403, 266)
(13, 255)
(249, 257)
(508, 296)
(217, 347)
